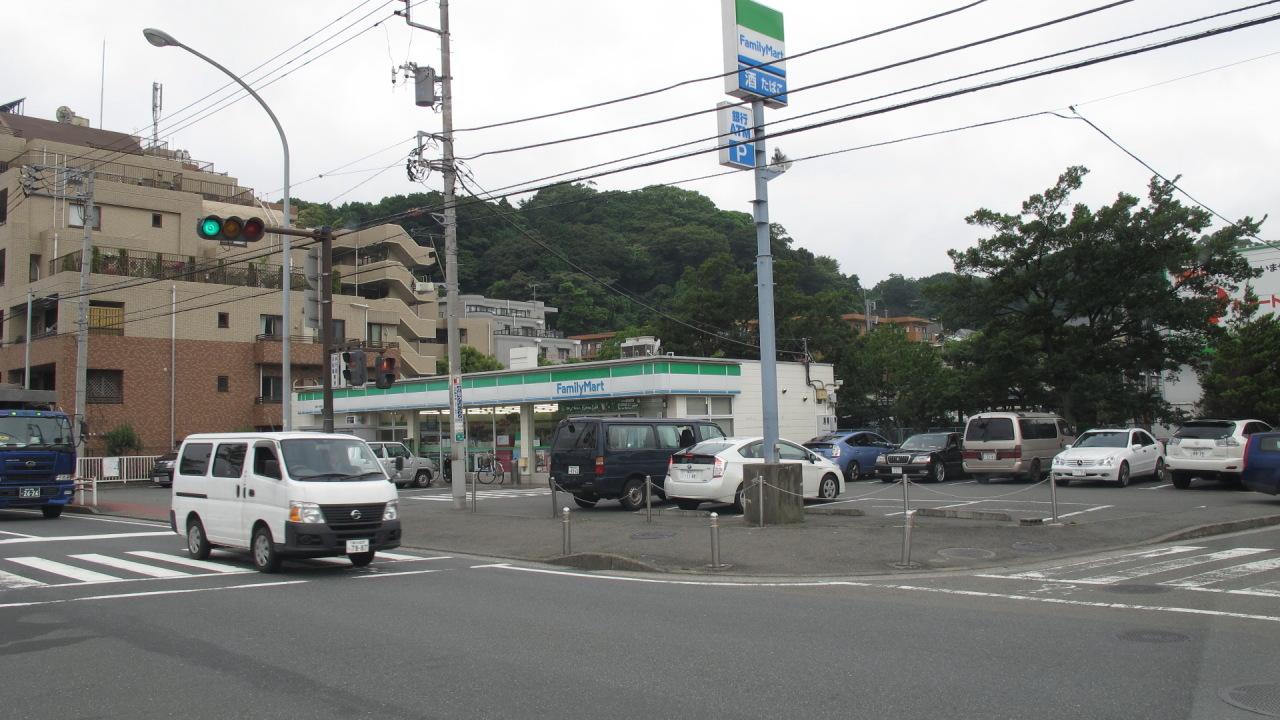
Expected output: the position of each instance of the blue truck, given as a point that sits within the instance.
(37, 451)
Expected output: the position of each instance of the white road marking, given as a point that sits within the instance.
(190, 562)
(131, 566)
(67, 571)
(74, 516)
(59, 538)
(400, 557)
(1228, 573)
(366, 576)
(9, 581)
(1158, 487)
(1059, 570)
(1081, 512)
(6, 532)
(1167, 566)
(1271, 589)
(956, 505)
(151, 593)
(909, 588)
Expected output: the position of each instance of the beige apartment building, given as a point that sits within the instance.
(147, 261)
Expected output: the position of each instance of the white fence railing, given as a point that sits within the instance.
(116, 469)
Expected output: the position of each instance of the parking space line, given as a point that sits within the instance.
(6, 532)
(1157, 487)
(1081, 512)
(73, 516)
(948, 507)
(367, 576)
(57, 538)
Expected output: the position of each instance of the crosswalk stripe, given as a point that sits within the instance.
(1224, 574)
(190, 562)
(1167, 566)
(131, 566)
(67, 571)
(1059, 570)
(9, 581)
(1271, 588)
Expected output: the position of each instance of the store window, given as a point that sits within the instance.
(717, 408)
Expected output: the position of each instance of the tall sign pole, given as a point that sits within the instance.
(457, 446)
(82, 323)
(753, 52)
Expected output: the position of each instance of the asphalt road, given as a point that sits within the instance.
(422, 636)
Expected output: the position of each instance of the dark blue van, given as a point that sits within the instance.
(1262, 463)
(598, 458)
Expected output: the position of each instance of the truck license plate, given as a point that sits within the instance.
(29, 492)
(988, 456)
(573, 469)
(358, 546)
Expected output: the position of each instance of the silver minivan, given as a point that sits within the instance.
(1013, 444)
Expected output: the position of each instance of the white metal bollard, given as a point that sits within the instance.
(715, 542)
(648, 500)
(1053, 497)
(906, 539)
(566, 532)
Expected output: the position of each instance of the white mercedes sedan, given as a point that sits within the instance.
(1114, 455)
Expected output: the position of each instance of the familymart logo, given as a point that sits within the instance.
(580, 387)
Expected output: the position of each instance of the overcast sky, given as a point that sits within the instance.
(1206, 110)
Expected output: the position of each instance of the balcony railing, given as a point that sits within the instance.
(267, 400)
(340, 342)
(529, 332)
(164, 266)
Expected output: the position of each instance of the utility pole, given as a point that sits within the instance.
(457, 449)
(26, 353)
(326, 323)
(82, 330)
(173, 366)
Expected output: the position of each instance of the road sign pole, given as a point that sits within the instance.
(764, 286)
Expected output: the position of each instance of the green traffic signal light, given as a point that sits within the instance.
(230, 229)
(210, 228)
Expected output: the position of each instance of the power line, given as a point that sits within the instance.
(693, 81)
(823, 83)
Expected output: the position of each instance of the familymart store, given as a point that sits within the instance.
(512, 413)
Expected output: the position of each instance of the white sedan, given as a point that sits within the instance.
(1115, 455)
(711, 471)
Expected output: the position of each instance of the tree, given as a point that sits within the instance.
(472, 361)
(1239, 379)
(892, 381)
(122, 440)
(1083, 309)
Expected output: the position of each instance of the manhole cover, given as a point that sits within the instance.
(1263, 698)
(1033, 547)
(1152, 636)
(967, 553)
(652, 535)
(1138, 589)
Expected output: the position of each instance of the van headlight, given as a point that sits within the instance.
(305, 512)
(391, 511)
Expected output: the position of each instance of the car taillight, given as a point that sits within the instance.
(670, 461)
(599, 465)
(1014, 454)
(1227, 442)
(835, 451)
(1173, 441)
(718, 469)
(971, 454)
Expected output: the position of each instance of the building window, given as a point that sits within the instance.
(718, 409)
(272, 388)
(157, 220)
(224, 320)
(270, 325)
(106, 318)
(339, 330)
(75, 216)
(4, 205)
(2, 267)
(33, 268)
(105, 387)
(224, 383)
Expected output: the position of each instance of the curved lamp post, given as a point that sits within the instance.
(160, 38)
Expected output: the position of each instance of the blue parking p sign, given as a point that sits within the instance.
(736, 147)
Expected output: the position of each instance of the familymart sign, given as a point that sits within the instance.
(753, 52)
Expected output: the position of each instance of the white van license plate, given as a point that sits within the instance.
(29, 492)
(357, 546)
(573, 469)
(988, 456)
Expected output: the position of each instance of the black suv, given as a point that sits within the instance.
(931, 456)
(605, 458)
(162, 470)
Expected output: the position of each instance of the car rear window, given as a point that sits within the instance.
(708, 447)
(824, 439)
(988, 429)
(567, 436)
(1206, 430)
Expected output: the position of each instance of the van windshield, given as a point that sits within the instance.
(987, 429)
(330, 460)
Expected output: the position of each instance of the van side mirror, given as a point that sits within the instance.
(399, 462)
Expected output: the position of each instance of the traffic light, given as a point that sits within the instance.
(385, 372)
(354, 369)
(232, 229)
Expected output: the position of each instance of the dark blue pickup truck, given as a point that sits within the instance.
(1262, 463)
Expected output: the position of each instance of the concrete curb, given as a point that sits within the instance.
(603, 561)
(964, 514)
(823, 510)
(1221, 528)
(82, 509)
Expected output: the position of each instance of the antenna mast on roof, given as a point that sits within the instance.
(157, 100)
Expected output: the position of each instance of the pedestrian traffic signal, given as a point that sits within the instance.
(385, 372)
(354, 369)
(231, 229)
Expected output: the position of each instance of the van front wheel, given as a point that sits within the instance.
(360, 559)
(265, 557)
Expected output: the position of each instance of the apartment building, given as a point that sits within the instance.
(495, 326)
(185, 333)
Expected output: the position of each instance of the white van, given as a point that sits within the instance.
(286, 493)
(1013, 444)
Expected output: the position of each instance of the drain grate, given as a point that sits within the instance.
(966, 553)
(1152, 636)
(1034, 547)
(1136, 589)
(652, 535)
(1263, 698)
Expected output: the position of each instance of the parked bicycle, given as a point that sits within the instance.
(488, 470)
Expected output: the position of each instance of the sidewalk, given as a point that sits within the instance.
(824, 545)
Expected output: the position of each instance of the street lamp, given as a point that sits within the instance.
(160, 38)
